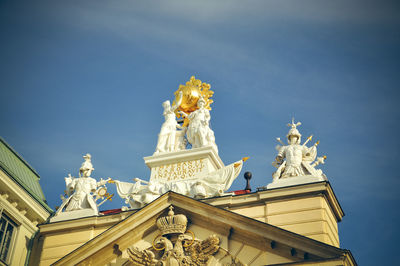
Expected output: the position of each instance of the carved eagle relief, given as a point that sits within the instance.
(199, 253)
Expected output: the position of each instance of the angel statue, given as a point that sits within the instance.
(199, 133)
(167, 136)
(298, 158)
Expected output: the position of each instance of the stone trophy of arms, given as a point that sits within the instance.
(296, 159)
(82, 193)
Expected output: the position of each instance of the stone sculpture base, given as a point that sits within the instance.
(293, 181)
(183, 164)
(73, 215)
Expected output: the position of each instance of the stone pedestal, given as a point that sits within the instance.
(293, 181)
(73, 215)
(185, 164)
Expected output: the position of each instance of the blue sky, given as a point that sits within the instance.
(90, 76)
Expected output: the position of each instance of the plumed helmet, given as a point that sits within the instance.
(87, 156)
(293, 131)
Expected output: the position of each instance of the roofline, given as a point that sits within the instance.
(19, 157)
(37, 199)
(312, 261)
(167, 194)
(16, 180)
(255, 220)
(328, 193)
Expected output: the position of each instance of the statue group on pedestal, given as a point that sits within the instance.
(196, 114)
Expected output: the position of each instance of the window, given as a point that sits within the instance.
(7, 228)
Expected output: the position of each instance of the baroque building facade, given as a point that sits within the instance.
(184, 214)
(22, 207)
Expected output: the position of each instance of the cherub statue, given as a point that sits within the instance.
(199, 133)
(298, 158)
(167, 136)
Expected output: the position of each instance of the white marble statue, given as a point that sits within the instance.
(199, 133)
(138, 195)
(167, 137)
(213, 184)
(295, 159)
(80, 191)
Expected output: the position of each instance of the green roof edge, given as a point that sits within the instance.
(19, 157)
(19, 182)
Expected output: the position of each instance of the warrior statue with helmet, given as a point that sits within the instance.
(294, 159)
(82, 193)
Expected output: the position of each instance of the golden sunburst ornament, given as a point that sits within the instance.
(191, 93)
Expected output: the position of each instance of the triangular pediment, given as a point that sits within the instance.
(240, 239)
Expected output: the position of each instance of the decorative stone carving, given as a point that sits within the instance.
(201, 251)
(174, 247)
(82, 193)
(296, 162)
(210, 184)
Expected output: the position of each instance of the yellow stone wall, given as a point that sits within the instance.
(60, 238)
(25, 212)
(311, 210)
(59, 244)
(231, 248)
(20, 243)
(308, 216)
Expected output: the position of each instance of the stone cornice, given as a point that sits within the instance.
(185, 155)
(22, 201)
(235, 226)
(264, 196)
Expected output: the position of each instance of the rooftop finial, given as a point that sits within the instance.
(171, 211)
